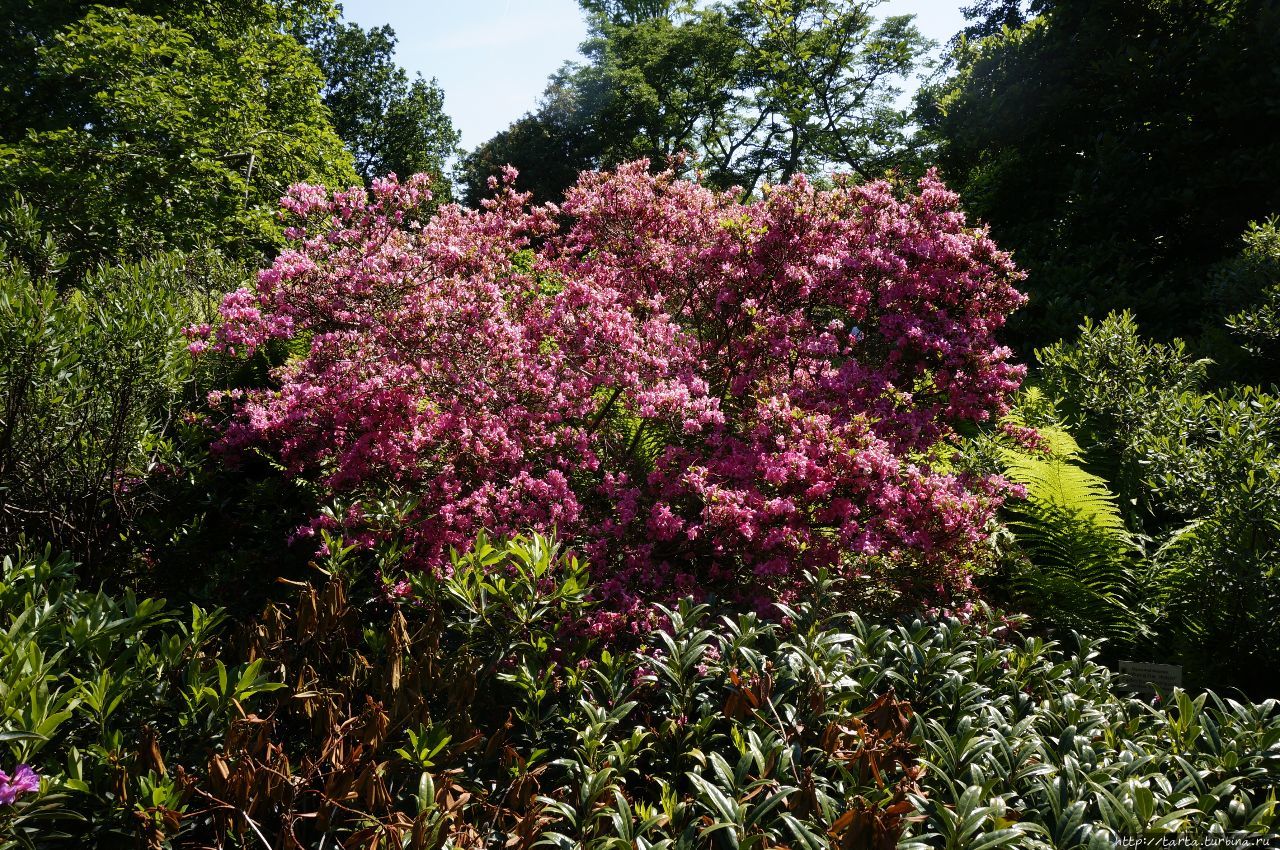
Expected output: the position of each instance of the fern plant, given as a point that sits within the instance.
(1082, 566)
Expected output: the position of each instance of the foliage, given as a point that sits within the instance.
(391, 124)
(1248, 287)
(551, 147)
(753, 90)
(91, 386)
(821, 91)
(400, 719)
(655, 81)
(1080, 564)
(152, 133)
(476, 710)
(29, 98)
(1197, 474)
(990, 17)
(1116, 148)
(706, 394)
(116, 701)
(1108, 385)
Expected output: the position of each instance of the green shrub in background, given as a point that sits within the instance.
(1182, 562)
(1248, 287)
(92, 383)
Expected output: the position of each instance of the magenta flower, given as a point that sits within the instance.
(24, 781)
(704, 396)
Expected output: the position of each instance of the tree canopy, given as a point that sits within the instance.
(391, 123)
(754, 91)
(1118, 147)
(171, 127)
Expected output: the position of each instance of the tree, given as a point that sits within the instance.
(550, 148)
(819, 80)
(1118, 148)
(390, 123)
(657, 76)
(147, 133)
(31, 98)
(754, 91)
(989, 17)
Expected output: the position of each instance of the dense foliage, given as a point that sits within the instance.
(705, 393)
(1117, 147)
(93, 383)
(479, 711)
(1198, 472)
(662, 516)
(170, 130)
(110, 699)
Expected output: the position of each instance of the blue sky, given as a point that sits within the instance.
(492, 57)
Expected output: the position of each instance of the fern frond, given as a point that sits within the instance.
(1083, 564)
(634, 440)
(1058, 482)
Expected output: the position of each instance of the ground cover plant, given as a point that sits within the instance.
(477, 715)
(702, 392)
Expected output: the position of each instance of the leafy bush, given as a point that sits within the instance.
(707, 394)
(115, 701)
(1189, 544)
(1107, 386)
(1248, 286)
(91, 383)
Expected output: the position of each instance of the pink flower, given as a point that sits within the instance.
(706, 396)
(24, 781)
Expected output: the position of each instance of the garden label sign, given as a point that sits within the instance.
(1150, 678)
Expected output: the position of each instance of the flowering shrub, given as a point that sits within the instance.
(24, 781)
(702, 393)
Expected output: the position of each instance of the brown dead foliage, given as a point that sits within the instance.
(876, 746)
(319, 759)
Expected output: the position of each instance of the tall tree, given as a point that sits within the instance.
(989, 17)
(136, 133)
(549, 147)
(819, 90)
(753, 90)
(1118, 147)
(391, 124)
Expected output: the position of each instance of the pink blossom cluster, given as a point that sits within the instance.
(705, 394)
(23, 781)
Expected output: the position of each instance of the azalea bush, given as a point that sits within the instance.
(702, 392)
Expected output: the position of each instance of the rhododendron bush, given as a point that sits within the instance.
(704, 395)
